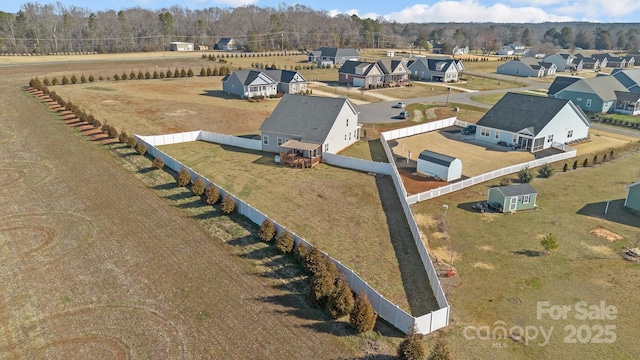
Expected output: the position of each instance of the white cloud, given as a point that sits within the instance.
(472, 11)
(234, 3)
(610, 10)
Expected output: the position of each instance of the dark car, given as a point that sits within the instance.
(471, 129)
(403, 115)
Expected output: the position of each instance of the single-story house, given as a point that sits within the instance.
(559, 83)
(361, 74)
(511, 49)
(249, 83)
(589, 62)
(629, 78)
(227, 44)
(563, 62)
(332, 56)
(289, 81)
(633, 196)
(395, 71)
(532, 123)
(627, 103)
(513, 197)
(180, 46)
(525, 67)
(597, 94)
(460, 50)
(301, 128)
(610, 60)
(435, 69)
(440, 166)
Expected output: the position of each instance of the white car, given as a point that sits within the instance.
(399, 105)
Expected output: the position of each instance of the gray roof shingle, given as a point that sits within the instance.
(436, 158)
(516, 190)
(308, 117)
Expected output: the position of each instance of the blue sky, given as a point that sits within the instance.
(403, 11)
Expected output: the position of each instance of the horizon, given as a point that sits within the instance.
(444, 11)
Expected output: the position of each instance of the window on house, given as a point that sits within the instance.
(355, 134)
(484, 132)
(550, 138)
(349, 135)
(515, 138)
(345, 137)
(570, 133)
(588, 104)
(526, 199)
(326, 147)
(265, 139)
(347, 122)
(279, 141)
(497, 134)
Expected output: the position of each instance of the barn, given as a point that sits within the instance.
(439, 166)
(180, 46)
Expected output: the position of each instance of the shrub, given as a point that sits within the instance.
(267, 230)
(546, 171)
(184, 178)
(65, 80)
(211, 195)
(100, 78)
(411, 348)
(54, 81)
(322, 285)
(169, 74)
(362, 317)
(116, 77)
(575, 164)
(228, 205)
(158, 163)
(176, 73)
(131, 141)
(585, 163)
(440, 351)
(91, 78)
(140, 75)
(611, 155)
(505, 181)
(301, 251)
(314, 261)
(74, 79)
(46, 81)
(604, 158)
(198, 186)
(525, 175)
(285, 242)
(203, 72)
(565, 167)
(340, 303)
(123, 76)
(132, 75)
(83, 79)
(123, 137)
(141, 148)
(595, 159)
(549, 242)
(147, 75)
(190, 73)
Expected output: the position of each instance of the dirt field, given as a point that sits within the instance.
(94, 264)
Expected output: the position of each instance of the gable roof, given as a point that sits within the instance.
(282, 76)
(603, 86)
(516, 190)
(248, 77)
(389, 66)
(628, 77)
(308, 117)
(350, 67)
(224, 40)
(622, 96)
(518, 112)
(633, 185)
(436, 158)
(559, 83)
(338, 52)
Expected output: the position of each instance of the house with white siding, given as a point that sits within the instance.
(532, 123)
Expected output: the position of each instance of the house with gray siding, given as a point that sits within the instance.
(524, 67)
(395, 71)
(435, 69)
(332, 56)
(563, 62)
(632, 200)
(597, 94)
(532, 123)
(310, 125)
(249, 83)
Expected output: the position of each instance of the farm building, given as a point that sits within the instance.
(440, 166)
(633, 196)
(513, 197)
(180, 46)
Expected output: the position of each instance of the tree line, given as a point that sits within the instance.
(49, 28)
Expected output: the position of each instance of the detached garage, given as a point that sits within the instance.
(512, 197)
(439, 166)
(180, 46)
(633, 196)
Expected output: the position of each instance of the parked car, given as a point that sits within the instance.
(502, 143)
(468, 130)
(481, 206)
(399, 105)
(403, 115)
(495, 206)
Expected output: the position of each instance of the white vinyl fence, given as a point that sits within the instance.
(385, 308)
(357, 164)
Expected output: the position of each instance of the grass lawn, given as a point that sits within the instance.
(504, 272)
(342, 212)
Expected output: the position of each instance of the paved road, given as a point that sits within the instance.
(383, 112)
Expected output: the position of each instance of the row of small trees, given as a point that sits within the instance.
(594, 161)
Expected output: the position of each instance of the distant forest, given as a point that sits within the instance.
(45, 29)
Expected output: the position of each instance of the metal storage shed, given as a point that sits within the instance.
(440, 166)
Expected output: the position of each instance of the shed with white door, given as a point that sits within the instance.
(512, 197)
(440, 166)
